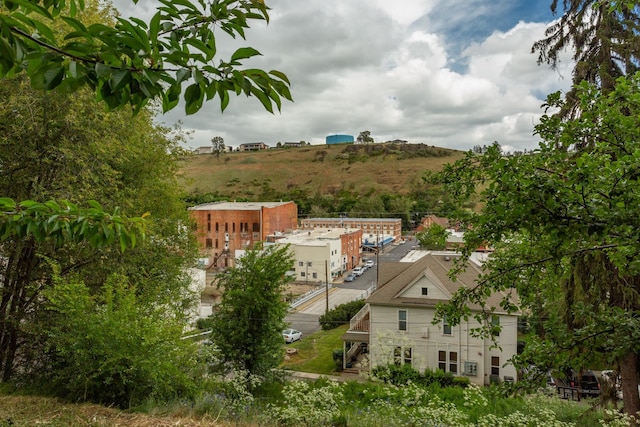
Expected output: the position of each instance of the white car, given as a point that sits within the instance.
(369, 263)
(291, 335)
(358, 271)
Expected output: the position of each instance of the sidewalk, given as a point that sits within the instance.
(307, 376)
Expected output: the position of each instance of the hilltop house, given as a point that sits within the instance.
(395, 325)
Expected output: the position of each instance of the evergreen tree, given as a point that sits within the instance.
(605, 42)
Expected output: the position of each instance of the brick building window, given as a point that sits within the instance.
(233, 227)
(256, 227)
(226, 227)
(217, 227)
(216, 243)
(208, 243)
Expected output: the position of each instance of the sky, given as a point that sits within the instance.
(449, 73)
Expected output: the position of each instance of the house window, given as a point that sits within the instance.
(300, 263)
(315, 275)
(425, 291)
(309, 263)
(402, 320)
(208, 243)
(495, 325)
(302, 273)
(446, 327)
(402, 355)
(448, 360)
(495, 365)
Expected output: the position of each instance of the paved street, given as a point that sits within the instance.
(305, 319)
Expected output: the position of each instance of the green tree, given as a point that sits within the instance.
(64, 147)
(217, 143)
(564, 223)
(70, 148)
(130, 62)
(433, 238)
(603, 36)
(365, 137)
(249, 321)
(370, 206)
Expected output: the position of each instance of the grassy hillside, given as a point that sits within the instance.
(318, 169)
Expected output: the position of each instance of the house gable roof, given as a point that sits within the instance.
(429, 282)
(400, 283)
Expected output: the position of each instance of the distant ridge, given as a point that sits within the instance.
(315, 169)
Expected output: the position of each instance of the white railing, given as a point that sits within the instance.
(309, 295)
(355, 320)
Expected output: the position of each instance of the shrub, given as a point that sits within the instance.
(462, 382)
(340, 315)
(337, 355)
(113, 349)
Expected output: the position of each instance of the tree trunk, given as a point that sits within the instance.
(629, 376)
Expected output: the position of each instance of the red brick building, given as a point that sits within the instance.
(224, 227)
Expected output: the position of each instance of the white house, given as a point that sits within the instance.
(395, 326)
(317, 254)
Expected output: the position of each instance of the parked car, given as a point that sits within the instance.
(369, 263)
(358, 271)
(590, 383)
(350, 277)
(291, 335)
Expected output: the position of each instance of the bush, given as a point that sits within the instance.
(112, 349)
(340, 315)
(337, 355)
(462, 382)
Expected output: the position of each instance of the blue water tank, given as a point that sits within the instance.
(339, 139)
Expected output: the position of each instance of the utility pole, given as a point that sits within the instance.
(326, 283)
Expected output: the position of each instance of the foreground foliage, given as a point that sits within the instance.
(564, 221)
(322, 403)
(129, 61)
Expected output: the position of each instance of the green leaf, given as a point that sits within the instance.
(119, 79)
(193, 97)
(244, 53)
(102, 71)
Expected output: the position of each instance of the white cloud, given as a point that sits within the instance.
(388, 67)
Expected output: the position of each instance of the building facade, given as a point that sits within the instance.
(396, 325)
(224, 227)
(375, 231)
(323, 254)
(253, 146)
